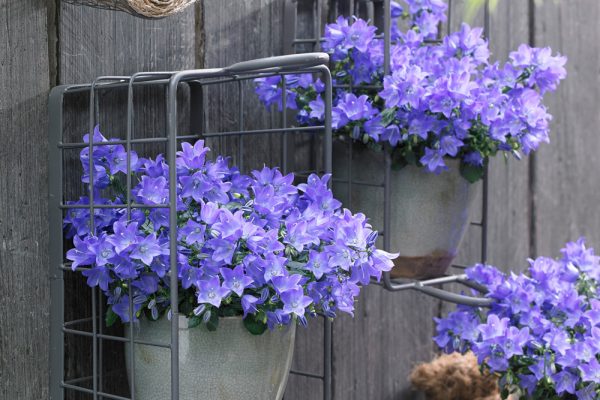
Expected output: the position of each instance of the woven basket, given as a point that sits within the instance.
(139, 8)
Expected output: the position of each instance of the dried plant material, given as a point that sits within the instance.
(454, 377)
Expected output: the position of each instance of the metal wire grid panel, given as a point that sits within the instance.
(303, 29)
(171, 83)
(378, 12)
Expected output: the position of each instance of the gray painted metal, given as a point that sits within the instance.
(173, 82)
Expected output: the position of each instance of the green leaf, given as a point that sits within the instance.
(194, 321)
(254, 326)
(387, 116)
(110, 317)
(229, 311)
(213, 322)
(471, 173)
(296, 265)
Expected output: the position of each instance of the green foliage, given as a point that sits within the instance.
(194, 321)
(255, 324)
(388, 115)
(110, 317)
(213, 323)
(471, 173)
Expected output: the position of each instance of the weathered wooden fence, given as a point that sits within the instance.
(535, 204)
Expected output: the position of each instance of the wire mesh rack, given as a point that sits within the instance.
(304, 21)
(170, 86)
(321, 11)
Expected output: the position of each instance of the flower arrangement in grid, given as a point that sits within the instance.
(253, 245)
(442, 99)
(541, 335)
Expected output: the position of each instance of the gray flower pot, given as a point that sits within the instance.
(429, 212)
(228, 364)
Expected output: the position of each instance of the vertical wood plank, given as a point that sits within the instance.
(565, 183)
(92, 43)
(237, 31)
(24, 84)
(96, 42)
(375, 351)
(509, 194)
(508, 185)
(508, 181)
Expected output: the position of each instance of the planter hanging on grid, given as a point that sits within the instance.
(429, 213)
(229, 364)
(143, 8)
(225, 365)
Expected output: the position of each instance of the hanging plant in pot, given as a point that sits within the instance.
(541, 335)
(256, 255)
(440, 115)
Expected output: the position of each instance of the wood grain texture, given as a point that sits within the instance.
(508, 191)
(24, 290)
(508, 180)
(565, 179)
(94, 43)
(236, 31)
(375, 351)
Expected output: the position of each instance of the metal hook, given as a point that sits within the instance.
(444, 295)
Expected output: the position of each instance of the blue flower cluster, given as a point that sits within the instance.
(257, 246)
(442, 98)
(542, 332)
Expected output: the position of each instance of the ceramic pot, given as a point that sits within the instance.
(429, 212)
(228, 364)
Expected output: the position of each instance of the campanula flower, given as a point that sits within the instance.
(249, 304)
(98, 276)
(83, 253)
(210, 291)
(253, 245)
(446, 89)
(235, 279)
(537, 320)
(295, 302)
(146, 249)
(433, 160)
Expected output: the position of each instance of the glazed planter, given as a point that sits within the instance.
(429, 212)
(228, 364)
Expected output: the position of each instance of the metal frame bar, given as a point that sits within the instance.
(306, 63)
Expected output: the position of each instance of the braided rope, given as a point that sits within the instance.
(145, 8)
